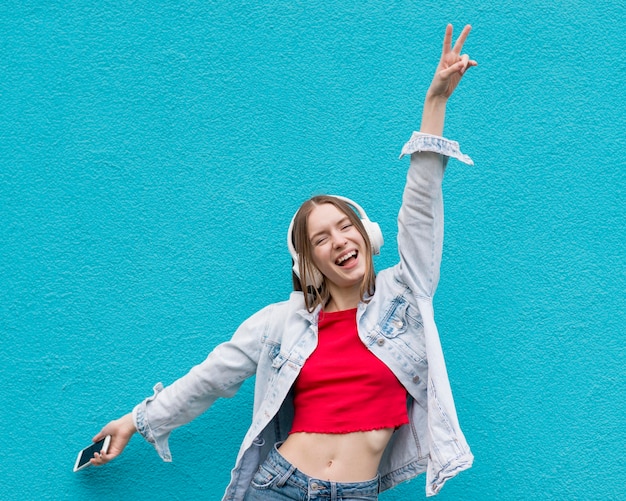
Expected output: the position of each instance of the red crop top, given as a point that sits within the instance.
(343, 387)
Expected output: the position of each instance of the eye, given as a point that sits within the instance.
(346, 226)
(319, 241)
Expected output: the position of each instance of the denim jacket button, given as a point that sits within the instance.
(398, 324)
(380, 341)
(416, 379)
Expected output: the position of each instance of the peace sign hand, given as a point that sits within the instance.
(452, 65)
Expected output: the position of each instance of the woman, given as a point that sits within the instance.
(351, 393)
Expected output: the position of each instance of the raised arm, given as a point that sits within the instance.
(420, 221)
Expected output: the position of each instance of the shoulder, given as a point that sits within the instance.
(276, 317)
(391, 287)
(390, 281)
(294, 305)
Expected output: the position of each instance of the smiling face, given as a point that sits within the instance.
(330, 238)
(338, 249)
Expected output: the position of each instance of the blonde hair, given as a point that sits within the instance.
(314, 296)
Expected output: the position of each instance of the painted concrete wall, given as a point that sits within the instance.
(152, 154)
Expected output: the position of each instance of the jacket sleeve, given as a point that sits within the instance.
(420, 220)
(420, 241)
(220, 375)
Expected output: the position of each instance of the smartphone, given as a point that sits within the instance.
(102, 446)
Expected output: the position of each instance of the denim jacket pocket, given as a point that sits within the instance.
(400, 316)
(277, 357)
(402, 324)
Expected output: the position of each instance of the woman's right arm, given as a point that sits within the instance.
(220, 375)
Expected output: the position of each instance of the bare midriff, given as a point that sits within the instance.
(345, 457)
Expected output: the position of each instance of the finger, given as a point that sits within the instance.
(458, 46)
(100, 435)
(458, 67)
(447, 40)
(468, 63)
(464, 62)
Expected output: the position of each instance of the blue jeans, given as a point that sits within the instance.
(277, 479)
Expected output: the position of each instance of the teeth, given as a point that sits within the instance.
(346, 257)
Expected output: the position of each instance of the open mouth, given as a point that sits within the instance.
(347, 258)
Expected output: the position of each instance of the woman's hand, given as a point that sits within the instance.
(452, 65)
(451, 68)
(121, 431)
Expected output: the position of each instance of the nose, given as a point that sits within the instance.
(339, 240)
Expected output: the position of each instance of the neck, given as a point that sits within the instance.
(343, 299)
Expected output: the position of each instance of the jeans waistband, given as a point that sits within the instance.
(289, 474)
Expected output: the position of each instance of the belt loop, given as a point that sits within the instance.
(333, 491)
(282, 480)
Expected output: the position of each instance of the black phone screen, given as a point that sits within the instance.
(87, 453)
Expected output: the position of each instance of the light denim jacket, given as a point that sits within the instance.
(397, 325)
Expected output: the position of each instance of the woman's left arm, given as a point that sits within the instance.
(451, 68)
(420, 221)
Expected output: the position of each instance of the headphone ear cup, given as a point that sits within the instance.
(375, 235)
(296, 265)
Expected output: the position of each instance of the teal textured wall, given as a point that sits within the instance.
(152, 154)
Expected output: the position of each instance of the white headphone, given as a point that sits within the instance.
(372, 229)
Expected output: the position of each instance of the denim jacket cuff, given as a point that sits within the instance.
(141, 423)
(436, 144)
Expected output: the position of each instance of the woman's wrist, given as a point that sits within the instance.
(434, 114)
(129, 423)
